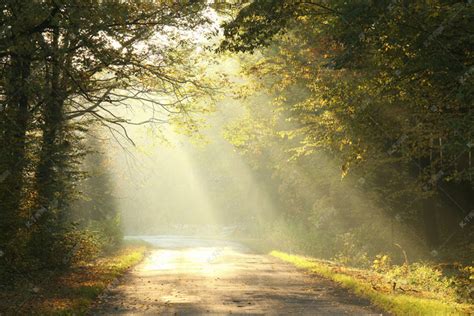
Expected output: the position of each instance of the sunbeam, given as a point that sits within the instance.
(236, 157)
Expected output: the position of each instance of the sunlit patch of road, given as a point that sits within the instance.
(200, 260)
(186, 275)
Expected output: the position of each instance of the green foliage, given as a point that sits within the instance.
(362, 283)
(350, 253)
(381, 263)
(445, 283)
(462, 282)
(67, 66)
(378, 94)
(421, 277)
(96, 208)
(77, 246)
(256, 24)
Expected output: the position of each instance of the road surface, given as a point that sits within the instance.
(189, 276)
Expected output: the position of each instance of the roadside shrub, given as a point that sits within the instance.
(351, 252)
(108, 232)
(463, 282)
(421, 277)
(382, 263)
(451, 282)
(77, 246)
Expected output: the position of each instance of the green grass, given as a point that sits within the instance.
(397, 304)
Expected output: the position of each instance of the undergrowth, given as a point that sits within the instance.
(416, 289)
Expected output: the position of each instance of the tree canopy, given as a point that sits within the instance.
(69, 65)
(385, 88)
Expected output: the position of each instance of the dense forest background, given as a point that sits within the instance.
(352, 121)
(367, 140)
(70, 73)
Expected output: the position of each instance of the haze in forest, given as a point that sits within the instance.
(337, 130)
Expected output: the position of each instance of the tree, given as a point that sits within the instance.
(379, 85)
(69, 61)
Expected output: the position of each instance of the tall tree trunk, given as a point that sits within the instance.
(52, 127)
(48, 227)
(13, 148)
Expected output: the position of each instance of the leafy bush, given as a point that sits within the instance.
(296, 237)
(462, 282)
(109, 232)
(382, 263)
(423, 277)
(351, 253)
(77, 246)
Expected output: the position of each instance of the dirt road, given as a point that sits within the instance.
(187, 276)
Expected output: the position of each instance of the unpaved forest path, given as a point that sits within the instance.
(187, 276)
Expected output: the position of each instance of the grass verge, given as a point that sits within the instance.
(397, 304)
(72, 292)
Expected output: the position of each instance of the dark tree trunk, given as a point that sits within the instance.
(48, 226)
(52, 129)
(13, 148)
(430, 224)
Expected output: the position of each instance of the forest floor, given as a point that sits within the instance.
(196, 276)
(72, 291)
